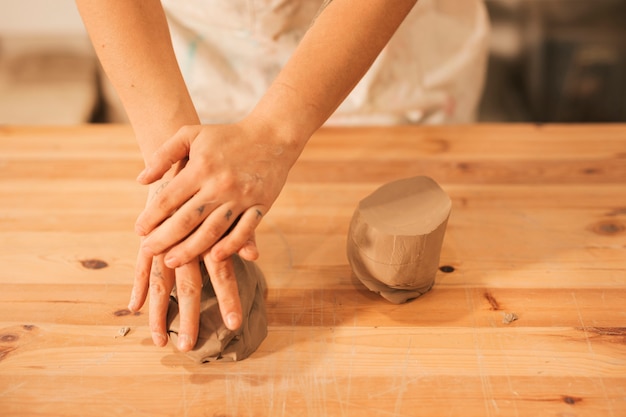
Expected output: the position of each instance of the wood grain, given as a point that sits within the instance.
(538, 228)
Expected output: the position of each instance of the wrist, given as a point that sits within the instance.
(285, 119)
(282, 135)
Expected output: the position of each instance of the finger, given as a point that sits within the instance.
(178, 226)
(141, 281)
(189, 292)
(166, 200)
(239, 236)
(249, 251)
(172, 151)
(225, 285)
(205, 236)
(161, 284)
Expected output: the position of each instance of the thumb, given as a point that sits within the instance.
(170, 152)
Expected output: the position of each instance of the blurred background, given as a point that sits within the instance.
(550, 61)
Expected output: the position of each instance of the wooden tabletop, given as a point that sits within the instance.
(538, 229)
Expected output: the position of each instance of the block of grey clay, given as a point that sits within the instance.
(395, 237)
(215, 341)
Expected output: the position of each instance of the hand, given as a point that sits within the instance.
(154, 279)
(231, 174)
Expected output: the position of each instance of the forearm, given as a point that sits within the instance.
(333, 56)
(132, 41)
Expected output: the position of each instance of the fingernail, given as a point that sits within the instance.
(159, 339)
(145, 249)
(184, 342)
(139, 230)
(132, 302)
(232, 321)
(141, 175)
(171, 262)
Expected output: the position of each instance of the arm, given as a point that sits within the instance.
(132, 41)
(133, 44)
(333, 56)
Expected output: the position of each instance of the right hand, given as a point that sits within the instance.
(234, 171)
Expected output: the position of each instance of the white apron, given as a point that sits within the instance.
(432, 70)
